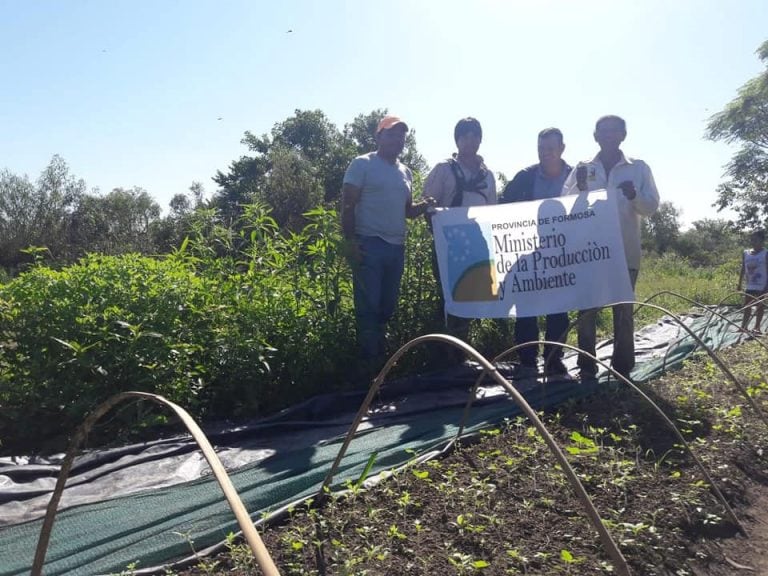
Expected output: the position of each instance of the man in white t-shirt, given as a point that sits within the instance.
(631, 181)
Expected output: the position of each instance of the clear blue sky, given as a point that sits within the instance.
(130, 93)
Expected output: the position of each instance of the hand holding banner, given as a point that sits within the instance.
(531, 258)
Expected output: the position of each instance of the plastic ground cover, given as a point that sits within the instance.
(147, 503)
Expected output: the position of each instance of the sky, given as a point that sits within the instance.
(159, 94)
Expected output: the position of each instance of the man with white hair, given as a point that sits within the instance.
(631, 181)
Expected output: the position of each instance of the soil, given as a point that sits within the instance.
(499, 504)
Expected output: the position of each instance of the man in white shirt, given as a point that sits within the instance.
(463, 179)
(632, 182)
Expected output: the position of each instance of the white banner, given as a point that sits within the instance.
(531, 258)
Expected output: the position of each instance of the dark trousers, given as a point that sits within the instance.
(527, 330)
(623, 359)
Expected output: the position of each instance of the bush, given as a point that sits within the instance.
(248, 332)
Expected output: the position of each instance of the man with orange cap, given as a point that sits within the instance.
(376, 200)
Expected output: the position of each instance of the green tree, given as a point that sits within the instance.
(709, 242)
(744, 121)
(309, 135)
(122, 221)
(170, 231)
(37, 214)
(317, 152)
(292, 187)
(661, 230)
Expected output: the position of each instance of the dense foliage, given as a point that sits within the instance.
(744, 121)
(231, 324)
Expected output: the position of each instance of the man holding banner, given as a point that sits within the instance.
(461, 180)
(631, 182)
(538, 182)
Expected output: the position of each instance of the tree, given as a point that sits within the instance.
(709, 242)
(311, 134)
(37, 214)
(308, 134)
(662, 229)
(197, 191)
(318, 153)
(292, 187)
(180, 205)
(744, 120)
(122, 221)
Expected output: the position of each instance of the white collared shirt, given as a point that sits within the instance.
(644, 203)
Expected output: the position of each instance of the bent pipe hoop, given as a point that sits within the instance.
(716, 491)
(712, 312)
(699, 342)
(263, 559)
(741, 309)
(609, 545)
(722, 365)
(761, 300)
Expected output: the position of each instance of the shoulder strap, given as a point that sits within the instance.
(461, 183)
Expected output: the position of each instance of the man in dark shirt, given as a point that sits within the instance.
(538, 182)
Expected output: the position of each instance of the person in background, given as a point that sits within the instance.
(632, 182)
(538, 182)
(754, 268)
(461, 180)
(376, 200)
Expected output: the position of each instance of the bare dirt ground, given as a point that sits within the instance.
(499, 504)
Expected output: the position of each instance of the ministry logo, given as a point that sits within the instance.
(471, 266)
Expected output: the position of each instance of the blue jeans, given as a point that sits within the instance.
(527, 330)
(376, 280)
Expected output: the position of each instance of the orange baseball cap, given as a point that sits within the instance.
(390, 122)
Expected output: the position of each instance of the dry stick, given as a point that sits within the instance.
(260, 552)
(659, 411)
(610, 546)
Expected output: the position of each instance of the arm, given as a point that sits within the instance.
(645, 197)
(492, 198)
(350, 196)
(435, 185)
(415, 210)
(570, 186)
(765, 288)
(514, 191)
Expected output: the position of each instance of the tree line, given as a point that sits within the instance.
(296, 167)
(299, 165)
